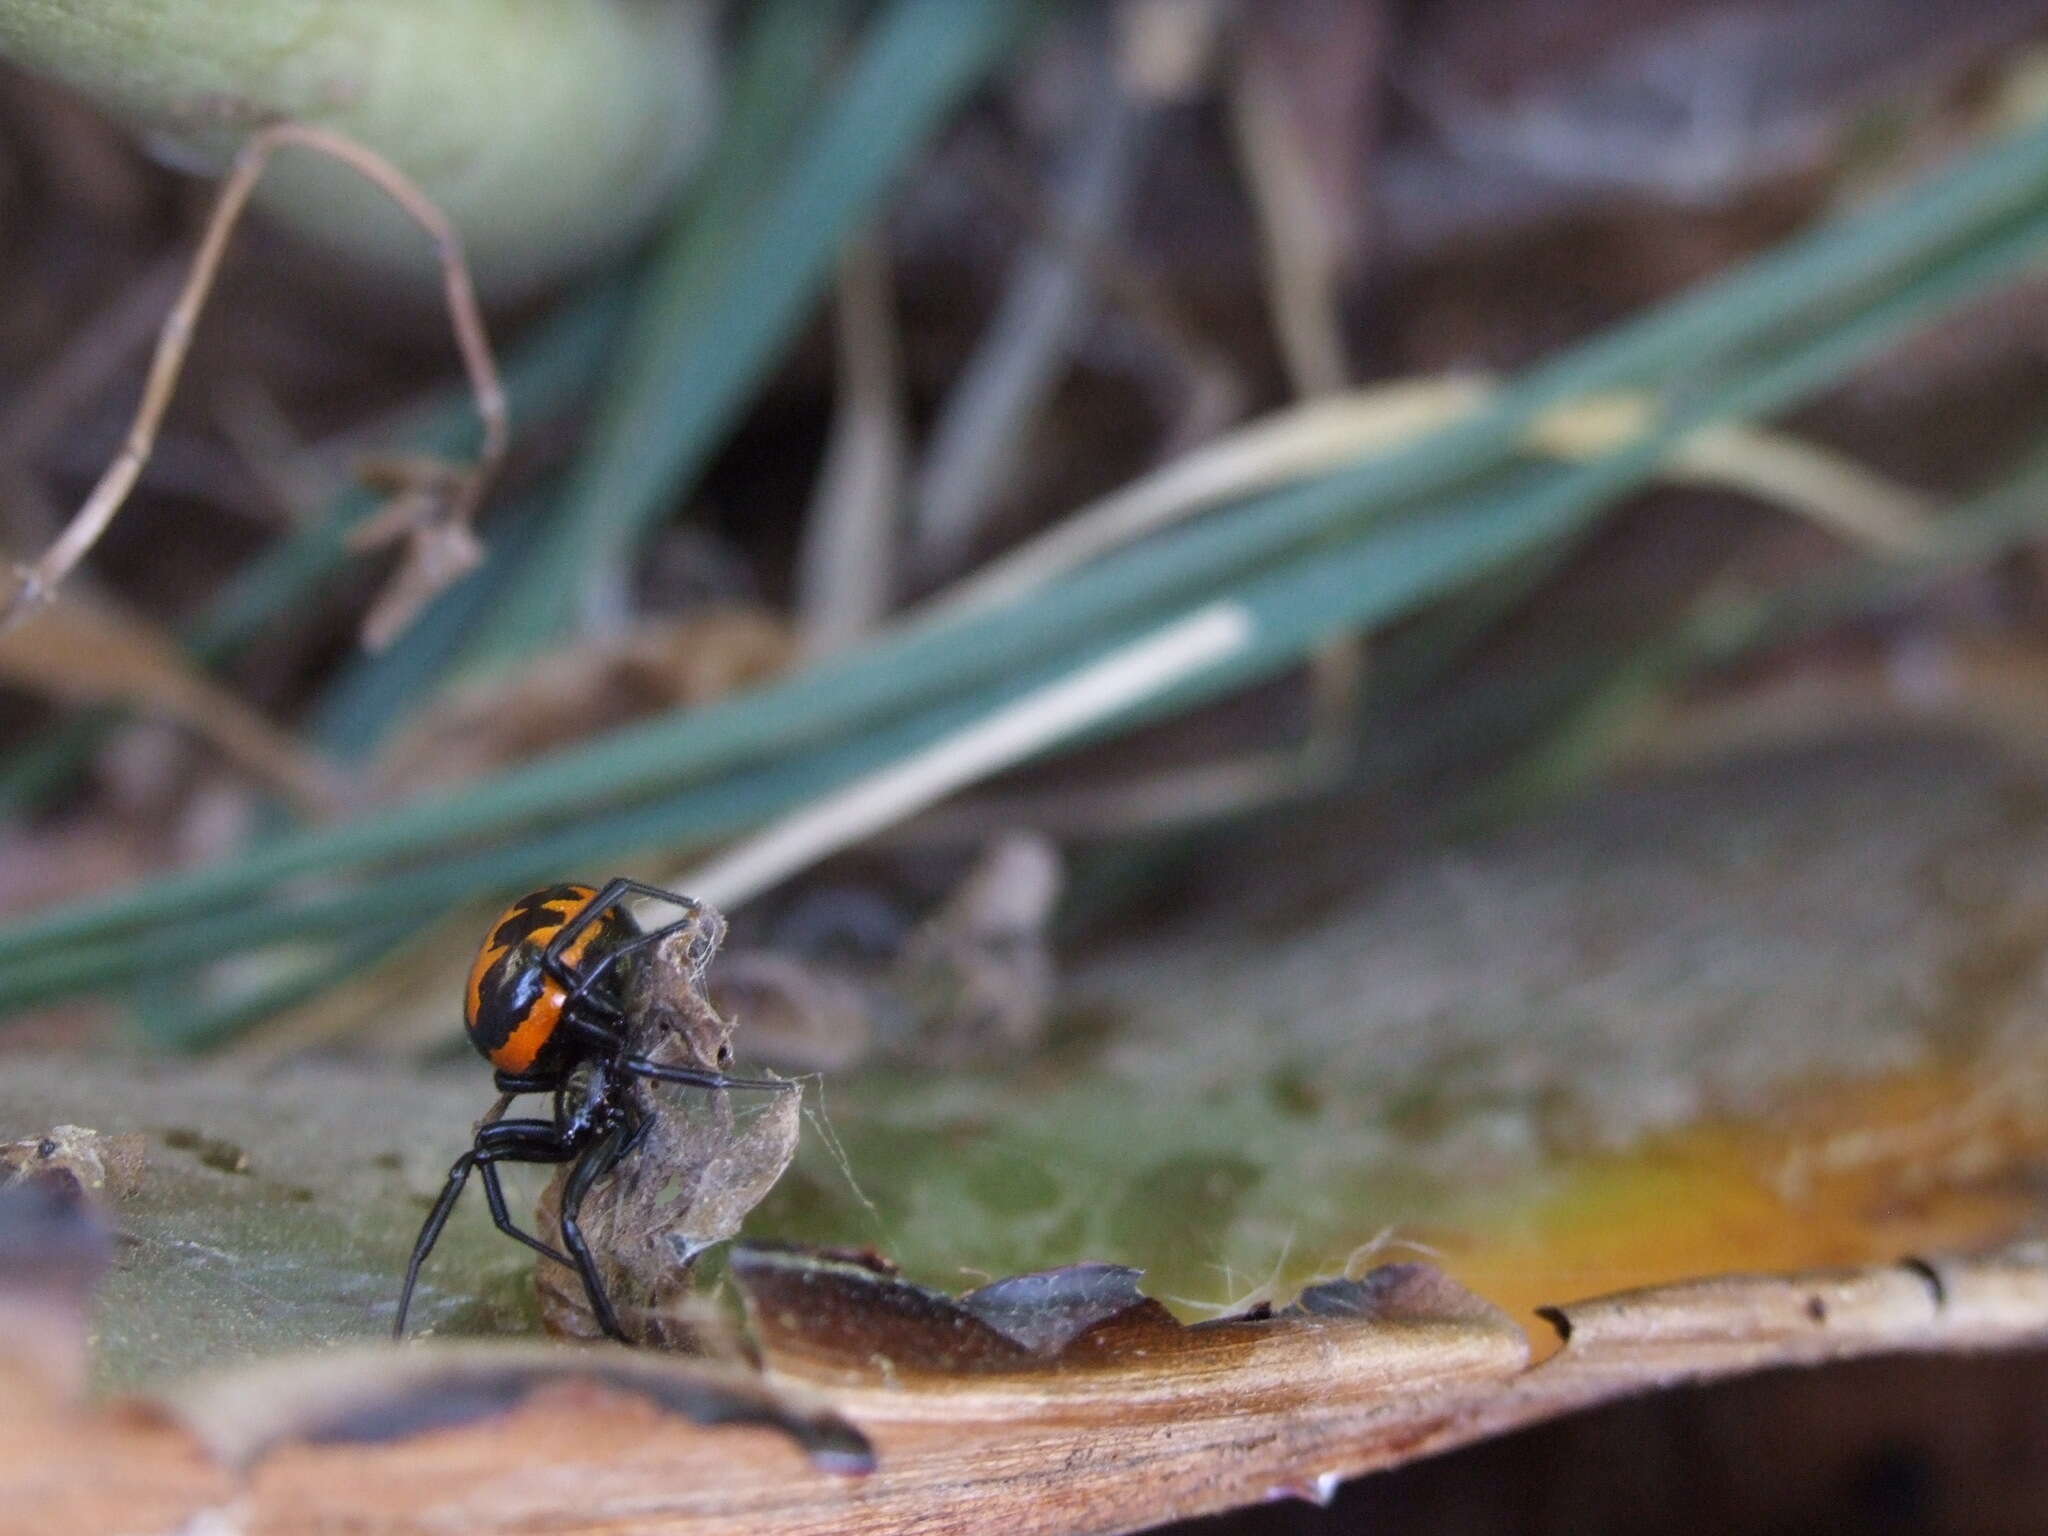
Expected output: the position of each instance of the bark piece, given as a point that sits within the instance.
(372, 1395)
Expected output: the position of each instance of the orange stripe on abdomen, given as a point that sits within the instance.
(473, 1000)
(524, 1045)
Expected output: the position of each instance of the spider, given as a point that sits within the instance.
(536, 1011)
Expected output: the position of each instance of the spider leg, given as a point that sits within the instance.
(613, 1045)
(512, 1084)
(616, 888)
(590, 912)
(579, 986)
(640, 1066)
(521, 1141)
(602, 1031)
(430, 1233)
(596, 1161)
(494, 1193)
(514, 1141)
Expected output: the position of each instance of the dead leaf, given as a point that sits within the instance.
(850, 1320)
(1053, 1403)
(80, 653)
(426, 512)
(580, 691)
(702, 1165)
(702, 1160)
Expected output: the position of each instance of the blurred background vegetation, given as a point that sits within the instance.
(1521, 393)
(984, 342)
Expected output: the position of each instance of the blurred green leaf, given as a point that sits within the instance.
(742, 273)
(1352, 550)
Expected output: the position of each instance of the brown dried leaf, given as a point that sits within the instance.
(701, 1163)
(688, 1185)
(79, 653)
(1636, 1341)
(569, 694)
(851, 1321)
(1054, 1403)
(427, 512)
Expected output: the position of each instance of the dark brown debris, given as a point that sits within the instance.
(827, 1315)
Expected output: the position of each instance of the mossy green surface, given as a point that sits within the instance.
(1329, 1057)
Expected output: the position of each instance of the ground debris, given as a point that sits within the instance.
(848, 1318)
(108, 1166)
(974, 981)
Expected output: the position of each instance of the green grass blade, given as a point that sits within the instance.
(709, 345)
(912, 678)
(777, 75)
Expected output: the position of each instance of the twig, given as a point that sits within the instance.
(440, 533)
(846, 569)
(1029, 340)
(1304, 245)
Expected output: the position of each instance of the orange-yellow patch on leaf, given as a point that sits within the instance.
(1939, 1159)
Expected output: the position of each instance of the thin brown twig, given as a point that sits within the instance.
(441, 537)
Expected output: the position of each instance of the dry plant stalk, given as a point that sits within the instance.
(80, 652)
(433, 504)
(846, 566)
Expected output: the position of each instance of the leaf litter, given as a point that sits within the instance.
(701, 1163)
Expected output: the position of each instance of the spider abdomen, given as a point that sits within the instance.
(513, 1010)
